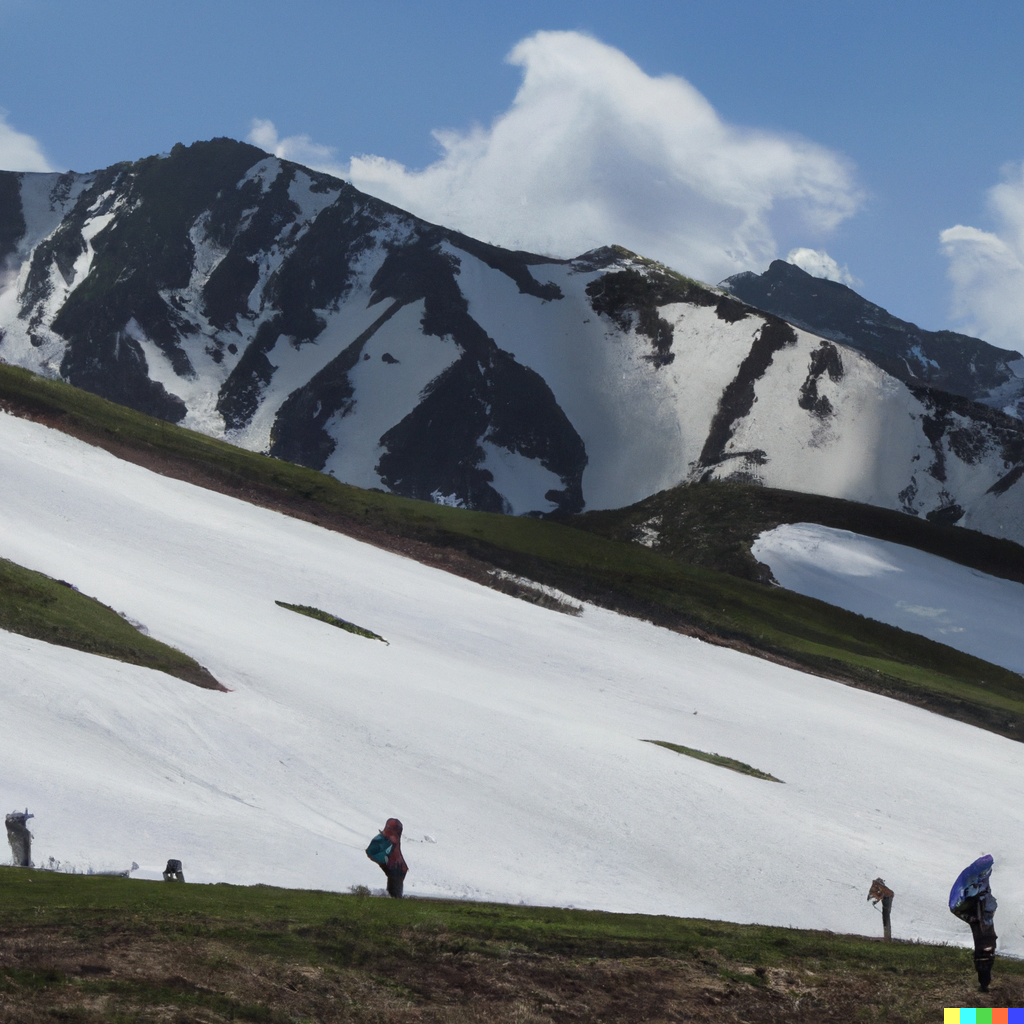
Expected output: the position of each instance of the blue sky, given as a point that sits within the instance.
(860, 129)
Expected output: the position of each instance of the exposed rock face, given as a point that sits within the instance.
(279, 308)
(944, 360)
(238, 293)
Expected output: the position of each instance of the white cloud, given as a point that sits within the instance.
(987, 268)
(594, 151)
(300, 148)
(818, 263)
(19, 152)
(921, 609)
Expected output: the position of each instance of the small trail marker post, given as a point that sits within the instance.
(19, 837)
(881, 893)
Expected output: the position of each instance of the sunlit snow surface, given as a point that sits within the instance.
(507, 733)
(961, 607)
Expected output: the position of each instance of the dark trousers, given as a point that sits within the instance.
(396, 883)
(984, 951)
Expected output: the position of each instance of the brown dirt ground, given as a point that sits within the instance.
(136, 973)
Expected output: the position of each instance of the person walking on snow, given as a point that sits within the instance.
(385, 849)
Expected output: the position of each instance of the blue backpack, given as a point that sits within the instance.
(972, 882)
(379, 848)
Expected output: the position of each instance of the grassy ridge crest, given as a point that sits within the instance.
(714, 524)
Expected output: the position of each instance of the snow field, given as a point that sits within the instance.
(922, 593)
(508, 734)
(522, 482)
(642, 426)
(840, 454)
(384, 393)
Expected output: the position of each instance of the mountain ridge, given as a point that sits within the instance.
(282, 310)
(943, 360)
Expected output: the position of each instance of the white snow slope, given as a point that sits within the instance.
(922, 593)
(505, 736)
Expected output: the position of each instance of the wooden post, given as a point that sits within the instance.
(881, 893)
(20, 838)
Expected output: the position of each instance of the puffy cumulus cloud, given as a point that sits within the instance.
(818, 263)
(987, 268)
(594, 151)
(19, 152)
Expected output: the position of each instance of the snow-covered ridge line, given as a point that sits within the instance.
(281, 309)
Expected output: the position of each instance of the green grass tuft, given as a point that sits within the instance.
(332, 620)
(725, 762)
(42, 608)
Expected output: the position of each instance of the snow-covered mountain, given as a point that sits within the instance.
(945, 360)
(253, 299)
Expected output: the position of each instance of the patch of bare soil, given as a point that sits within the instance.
(134, 972)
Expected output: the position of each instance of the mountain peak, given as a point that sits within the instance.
(283, 310)
(952, 362)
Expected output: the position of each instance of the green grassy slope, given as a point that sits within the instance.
(45, 609)
(613, 573)
(99, 949)
(714, 524)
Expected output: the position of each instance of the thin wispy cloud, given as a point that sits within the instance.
(19, 152)
(986, 268)
(594, 151)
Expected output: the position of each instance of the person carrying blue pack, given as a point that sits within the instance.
(972, 901)
(385, 849)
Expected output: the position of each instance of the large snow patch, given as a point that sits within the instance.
(922, 593)
(506, 733)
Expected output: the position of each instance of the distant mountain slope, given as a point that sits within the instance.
(283, 310)
(715, 525)
(945, 360)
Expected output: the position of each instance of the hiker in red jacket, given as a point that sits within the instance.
(385, 849)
